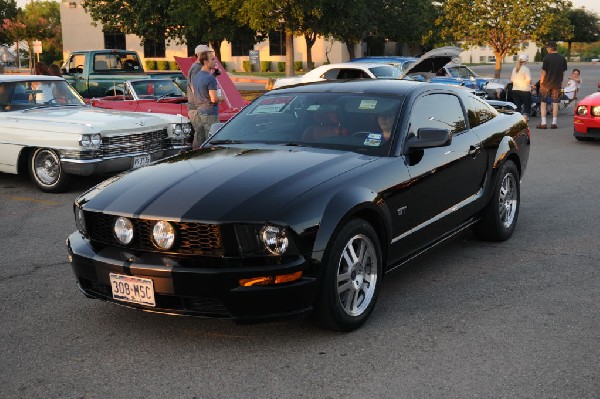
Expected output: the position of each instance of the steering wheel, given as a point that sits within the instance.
(361, 133)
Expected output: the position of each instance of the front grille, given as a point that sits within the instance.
(192, 238)
(135, 143)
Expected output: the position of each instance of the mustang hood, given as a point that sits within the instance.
(224, 184)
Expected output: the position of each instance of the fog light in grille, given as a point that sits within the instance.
(163, 234)
(123, 230)
(270, 280)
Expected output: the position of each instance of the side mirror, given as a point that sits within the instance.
(429, 137)
(215, 128)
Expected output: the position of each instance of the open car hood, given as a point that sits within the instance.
(433, 60)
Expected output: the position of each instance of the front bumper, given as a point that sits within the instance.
(197, 290)
(87, 167)
(586, 126)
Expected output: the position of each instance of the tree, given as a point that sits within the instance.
(503, 25)
(586, 26)
(8, 11)
(39, 20)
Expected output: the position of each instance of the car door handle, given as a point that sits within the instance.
(474, 150)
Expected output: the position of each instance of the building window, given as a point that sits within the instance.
(114, 40)
(72, 4)
(482, 58)
(154, 48)
(241, 49)
(277, 42)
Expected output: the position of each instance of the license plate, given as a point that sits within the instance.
(141, 160)
(132, 289)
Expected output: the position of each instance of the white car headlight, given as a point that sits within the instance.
(582, 110)
(90, 140)
(274, 239)
(163, 235)
(596, 110)
(187, 128)
(123, 230)
(177, 129)
(85, 141)
(96, 140)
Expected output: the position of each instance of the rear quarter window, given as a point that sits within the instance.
(478, 111)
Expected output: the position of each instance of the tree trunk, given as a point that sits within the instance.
(289, 53)
(310, 41)
(18, 55)
(499, 58)
(569, 51)
(216, 46)
(350, 47)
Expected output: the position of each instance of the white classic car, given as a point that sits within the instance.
(48, 130)
(342, 71)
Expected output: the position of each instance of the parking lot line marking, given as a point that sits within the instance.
(34, 200)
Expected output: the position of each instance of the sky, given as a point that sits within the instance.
(591, 5)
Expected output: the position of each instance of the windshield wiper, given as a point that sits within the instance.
(40, 106)
(219, 142)
(167, 95)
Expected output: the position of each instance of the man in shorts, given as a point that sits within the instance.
(196, 66)
(206, 98)
(553, 70)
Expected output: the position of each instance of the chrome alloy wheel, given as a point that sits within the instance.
(357, 275)
(46, 166)
(507, 200)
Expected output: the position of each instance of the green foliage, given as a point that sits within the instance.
(586, 25)
(8, 10)
(150, 65)
(162, 65)
(503, 25)
(247, 66)
(265, 66)
(297, 66)
(281, 66)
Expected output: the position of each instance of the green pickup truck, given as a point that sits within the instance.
(99, 73)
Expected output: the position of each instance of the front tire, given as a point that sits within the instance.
(499, 218)
(46, 171)
(352, 278)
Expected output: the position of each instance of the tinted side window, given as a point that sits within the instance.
(331, 74)
(437, 111)
(478, 111)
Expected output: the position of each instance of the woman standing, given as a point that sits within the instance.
(521, 80)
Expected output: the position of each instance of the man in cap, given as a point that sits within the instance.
(553, 70)
(196, 66)
(204, 89)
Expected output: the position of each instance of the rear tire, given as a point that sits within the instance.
(351, 279)
(499, 217)
(46, 170)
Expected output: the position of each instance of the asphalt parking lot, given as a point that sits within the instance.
(470, 319)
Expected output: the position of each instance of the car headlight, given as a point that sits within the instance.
(163, 235)
(79, 219)
(123, 230)
(582, 110)
(274, 238)
(596, 110)
(187, 129)
(177, 129)
(90, 140)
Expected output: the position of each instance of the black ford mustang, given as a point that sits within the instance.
(302, 202)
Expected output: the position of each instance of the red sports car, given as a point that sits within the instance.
(158, 96)
(587, 118)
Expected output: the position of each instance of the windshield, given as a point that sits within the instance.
(155, 89)
(35, 93)
(361, 123)
(385, 72)
(117, 62)
(461, 72)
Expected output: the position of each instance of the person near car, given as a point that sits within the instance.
(521, 91)
(196, 66)
(54, 70)
(573, 84)
(551, 77)
(206, 98)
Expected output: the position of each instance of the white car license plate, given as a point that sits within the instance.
(140, 161)
(132, 289)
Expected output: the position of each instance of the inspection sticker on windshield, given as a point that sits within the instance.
(272, 105)
(367, 104)
(373, 140)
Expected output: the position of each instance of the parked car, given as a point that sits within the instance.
(587, 118)
(341, 71)
(403, 64)
(155, 95)
(302, 203)
(442, 65)
(47, 129)
(98, 73)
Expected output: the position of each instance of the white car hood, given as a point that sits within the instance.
(88, 120)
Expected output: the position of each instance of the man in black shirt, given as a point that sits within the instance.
(553, 70)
